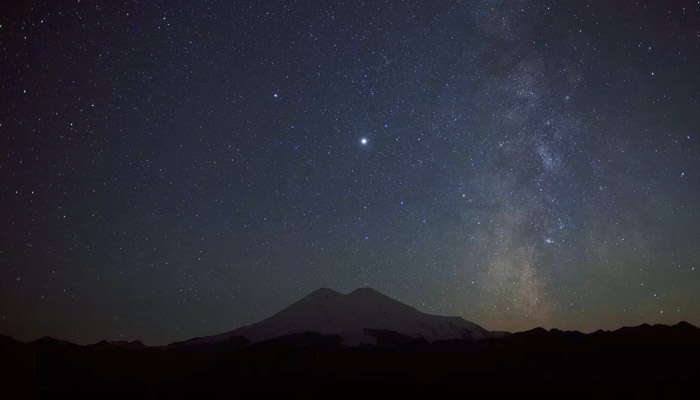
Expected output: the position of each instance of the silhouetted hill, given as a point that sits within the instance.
(681, 333)
(47, 342)
(230, 343)
(8, 341)
(646, 361)
(121, 344)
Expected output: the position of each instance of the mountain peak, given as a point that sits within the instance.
(350, 316)
(365, 291)
(685, 325)
(324, 292)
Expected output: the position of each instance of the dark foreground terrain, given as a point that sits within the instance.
(641, 362)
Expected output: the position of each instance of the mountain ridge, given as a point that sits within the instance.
(644, 330)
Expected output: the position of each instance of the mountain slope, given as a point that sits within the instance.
(356, 317)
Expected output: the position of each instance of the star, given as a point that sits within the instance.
(363, 141)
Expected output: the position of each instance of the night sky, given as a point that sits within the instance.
(171, 169)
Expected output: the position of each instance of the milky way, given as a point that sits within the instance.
(171, 170)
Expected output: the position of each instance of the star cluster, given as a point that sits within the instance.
(177, 169)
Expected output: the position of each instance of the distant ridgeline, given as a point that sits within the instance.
(363, 342)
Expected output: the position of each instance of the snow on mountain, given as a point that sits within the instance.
(328, 312)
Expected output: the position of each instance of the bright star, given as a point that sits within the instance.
(363, 140)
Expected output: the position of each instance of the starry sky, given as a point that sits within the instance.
(171, 169)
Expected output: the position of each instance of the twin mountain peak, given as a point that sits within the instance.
(356, 318)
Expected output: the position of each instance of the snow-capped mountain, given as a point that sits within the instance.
(353, 317)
